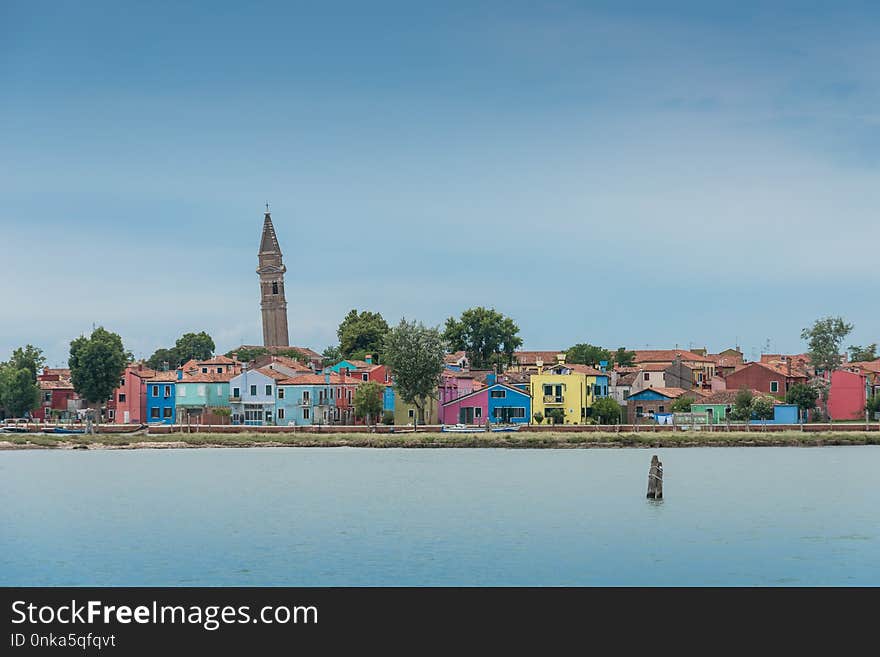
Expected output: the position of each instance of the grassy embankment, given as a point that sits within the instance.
(432, 440)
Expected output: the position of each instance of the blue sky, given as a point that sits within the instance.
(621, 173)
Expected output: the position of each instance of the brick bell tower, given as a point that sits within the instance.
(272, 301)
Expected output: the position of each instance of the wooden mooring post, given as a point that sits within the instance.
(655, 479)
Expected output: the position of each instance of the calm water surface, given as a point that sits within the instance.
(263, 517)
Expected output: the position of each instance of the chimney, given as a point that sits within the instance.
(369, 359)
(560, 358)
(491, 378)
(789, 366)
(179, 374)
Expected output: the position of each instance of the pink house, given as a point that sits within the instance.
(496, 402)
(454, 384)
(847, 396)
(131, 395)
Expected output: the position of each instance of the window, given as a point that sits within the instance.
(365, 377)
(111, 414)
(269, 391)
(411, 413)
(280, 393)
(236, 392)
(306, 413)
(154, 413)
(253, 391)
(478, 411)
(640, 411)
(202, 391)
(647, 376)
(774, 386)
(166, 412)
(661, 409)
(349, 395)
(121, 382)
(219, 370)
(204, 370)
(219, 391)
(181, 391)
(498, 394)
(274, 287)
(280, 413)
(167, 392)
(121, 397)
(48, 397)
(156, 391)
(306, 396)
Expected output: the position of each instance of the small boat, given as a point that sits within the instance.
(15, 430)
(462, 428)
(507, 429)
(63, 430)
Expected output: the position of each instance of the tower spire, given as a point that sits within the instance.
(273, 303)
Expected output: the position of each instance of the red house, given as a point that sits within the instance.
(847, 396)
(765, 377)
(131, 396)
(56, 393)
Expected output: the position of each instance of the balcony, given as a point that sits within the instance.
(233, 399)
(553, 399)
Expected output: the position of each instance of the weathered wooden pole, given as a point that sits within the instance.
(655, 479)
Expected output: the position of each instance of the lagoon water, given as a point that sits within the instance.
(352, 517)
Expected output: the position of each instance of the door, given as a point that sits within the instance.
(466, 415)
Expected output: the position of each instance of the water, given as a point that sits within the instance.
(327, 517)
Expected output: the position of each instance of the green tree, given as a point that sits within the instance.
(606, 411)
(682, 404)
(368, 400)
(163, 359)
(19, 392)
(762, 408)
(557, 415)
(539, 417)
(331, 354)
(293, 353)
(414, 354)
(96, 365)
(586, 354)
(873, 406)
(487, 336)
(859, 354)
(361, 333)
(824, 340)
(247, 355)
(194, 346)
(29, 358)
(742, 406)
(804, 396)
(624, 358)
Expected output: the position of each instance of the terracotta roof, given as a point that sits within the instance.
(62, 384)
(674, 393)
(627, 379)
(288, 362)
(726, 360)
(210, 377)
(781, 370)
(268, 371)
(454, 357)
(63, 372)
(164, 377)
(729, 397)
(580, 369)
(143, 373)
(869, 365)
(531, 357)
(668, 355)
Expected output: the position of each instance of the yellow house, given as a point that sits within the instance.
(570, 388)
(404, 413)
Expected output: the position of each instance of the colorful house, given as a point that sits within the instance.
(161, 396)
(847, 395)
(648, 403)
(765, 377)
(568, 391)
(313, 399)
(198, 395)
(253, 394)
(702, 367)
(405, 413)
(496, 403)
(57, 396)
(131, 395)
(718, 405)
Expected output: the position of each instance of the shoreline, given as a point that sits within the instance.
(527, 440)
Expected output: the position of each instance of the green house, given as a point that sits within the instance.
(197, 396)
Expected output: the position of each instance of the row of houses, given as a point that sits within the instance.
(538, 386)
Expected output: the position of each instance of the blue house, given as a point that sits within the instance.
(161, 398)
(782, 414)
(388, 399)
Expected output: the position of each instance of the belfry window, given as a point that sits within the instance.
(274, 287)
